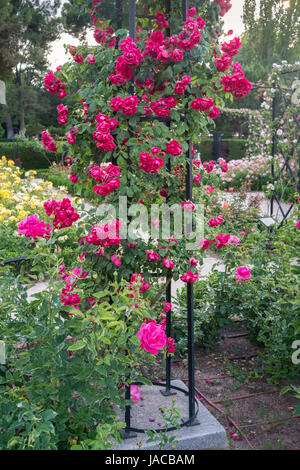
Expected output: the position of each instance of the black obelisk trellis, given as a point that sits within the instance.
(170, 389)
(281, 96)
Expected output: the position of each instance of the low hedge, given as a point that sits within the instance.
(231, 149)
(31, 155)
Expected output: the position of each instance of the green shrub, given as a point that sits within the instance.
(231, 149)
(31, 154)
(237, 148)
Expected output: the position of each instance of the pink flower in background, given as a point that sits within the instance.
(298, 224)
(204, 243)
(115, 259)
(242, 273)
(210, 189)
(193, 261)
(48, 141)
(72, 177)
(196, 178)
(233, 240)
(152, 337)
(215, 222)
(209, 166)
(91, 58)
(221, 240)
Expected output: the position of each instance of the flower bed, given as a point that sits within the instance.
(20, 196)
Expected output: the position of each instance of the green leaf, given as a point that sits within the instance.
(76, 346)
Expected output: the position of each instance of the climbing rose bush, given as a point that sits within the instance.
(141, 103)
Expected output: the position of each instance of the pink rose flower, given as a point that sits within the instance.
(90, 58)
(116, 260)
(135, 394)
(243, 273)
(152, 337)
(169, 264)
(152, 255)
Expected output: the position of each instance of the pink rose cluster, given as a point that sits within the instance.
(137, 284)
(162, 107)
(106, 235)
(54, 85)
(220, 240)
(223, 62)
(236, 83)
(215, 222)
(180, 85)
(64, 214)
(102, 136)
(232, 47)
(105, 35)
(166, 49)
(205, 104)
(150, 164)
(209, 166)
(76, 57)
(189, 277)
(173, 148)
(48, 141)
(225, 6)
(71, 135)
(126, 63)
(128, 105)
(63, 114)
(108, 174)
(161, 20)
(67, 296)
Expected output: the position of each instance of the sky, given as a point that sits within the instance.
(57, 56)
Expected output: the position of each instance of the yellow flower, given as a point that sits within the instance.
(95, 276)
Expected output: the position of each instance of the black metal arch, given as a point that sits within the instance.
(168, 387)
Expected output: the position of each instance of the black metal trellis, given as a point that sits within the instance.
(286, 166)
(170, 389)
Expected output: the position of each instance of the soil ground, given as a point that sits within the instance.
(232, 370)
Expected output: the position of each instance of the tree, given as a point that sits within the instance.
(27, 29)
(271, 35)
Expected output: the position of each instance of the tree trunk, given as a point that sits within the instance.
(21, 112)
(9, 127)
